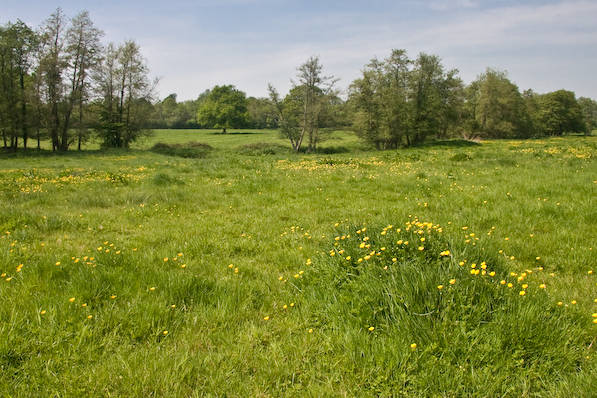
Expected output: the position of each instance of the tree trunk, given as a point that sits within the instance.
(23, 111)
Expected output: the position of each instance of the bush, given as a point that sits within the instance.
(184, 150)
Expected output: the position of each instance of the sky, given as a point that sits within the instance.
(191, 46)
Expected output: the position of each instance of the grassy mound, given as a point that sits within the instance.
(184, 150)
(262, 148)
(432, 314)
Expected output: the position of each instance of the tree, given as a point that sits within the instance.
(497, 107)
(308, 109)
(52, 64)
(560, 113)
(126, 91)
(589, 111)
(83, 51)
(398, 101)
(18, 44)
(225, 107)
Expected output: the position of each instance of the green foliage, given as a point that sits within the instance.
(399, 101)
(560, 113)
(495, 108)
(225, 107)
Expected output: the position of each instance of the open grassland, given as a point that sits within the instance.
(454, 269)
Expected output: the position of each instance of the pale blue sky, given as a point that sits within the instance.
(193, 45)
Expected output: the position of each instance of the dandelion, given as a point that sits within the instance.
(165, 332)
(510, 285)
(165, 259)
(183, 266)
(525, 285)
(413, 346)
(371, 328)
(502, 282)
(72, 299)
(542, 286)
(89, 316)
(310, 330)
(151, 289)
(573, 302)
(173, 306)
(537, 258)
(57, 263)
(452, 281)
(292, 304)
(492, 273)
(43, 312)
(420, 248)
(236, 270)
(560, 303)
(113, 296)
(522, 293)
(284, 307)
(266, 318)
(440, 287)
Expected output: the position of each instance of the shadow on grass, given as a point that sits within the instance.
(46, 153)
(447, 144)
(235, 133)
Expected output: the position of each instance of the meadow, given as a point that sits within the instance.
(451, 269)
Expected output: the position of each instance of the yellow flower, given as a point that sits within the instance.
(522, 293)
(502, 282)
(57, 263)
(165, 259)
(284, 306)
(266, 318)
(394, 259)
(42, 312)
(152, 288)
(292, 304)
(452, 281)
(413, 346)
(509, 285)
(492, 273)
(440, 287)
(310, 330)
(72, 299)
(537, 258)
(113, 296)
(89, 316)
(524, 285)
(165, 332)
(420, 248)
(542, 286)
(560, 303)
(573, 302)
(371, 328)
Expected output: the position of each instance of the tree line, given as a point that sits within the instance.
(61, 83)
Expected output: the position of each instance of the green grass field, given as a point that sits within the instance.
(453, 269)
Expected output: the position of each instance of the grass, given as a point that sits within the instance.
(253, 271)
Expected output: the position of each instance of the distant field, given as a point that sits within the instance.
(131, 273)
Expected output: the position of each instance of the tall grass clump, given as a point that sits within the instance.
(430, 314)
